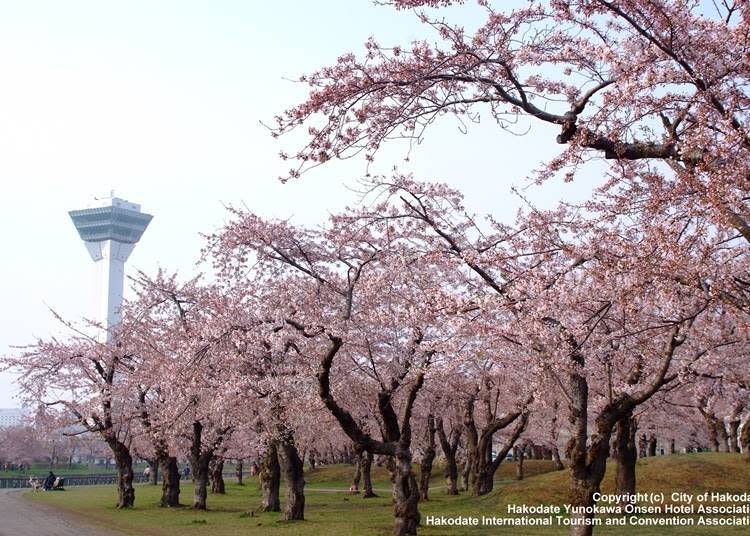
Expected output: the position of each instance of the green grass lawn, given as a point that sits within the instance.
(338, 513)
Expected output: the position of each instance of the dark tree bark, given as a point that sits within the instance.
(642, 446)
(124, 464)
(626, 456)
(294, 478)
(745, 439)
(722, 435)
(588, 455)
(200, 460)
(199, 468)
(425, 467)
(357, 476)
(216, 468)
(312, 460)
(484, 466)
(671, 446)
(733, 429)
(367, 475)
(712, 425)
(449, 446)
(396, 443)
(472, 439)
(652, 445)
(556, 457)
(520, 455)
(270, 478)
(170, 487)
(238, 473)
(153, 474)
(405, 494)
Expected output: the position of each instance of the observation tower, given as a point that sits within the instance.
(110, 227)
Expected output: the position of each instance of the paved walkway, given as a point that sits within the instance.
(19, 517)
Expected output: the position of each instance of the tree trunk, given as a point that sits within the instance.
(588, 459)
(626, 455)
(170, 488)
(357, 476)
(200, 472)
(556, 457)
(711, 428)
(652, 445)
(238, 473)
(745, 439)
(294, 478)
(270, 475)
(367, 475)
(449, 448)
(642, 446)
(425, 467)
(405, 494)
(519, 462)
(470, 449)
(733, 434)
(485, 467)
(217, 476)
(671, 446)
(153, 474)
(721, 434)
(312, 460)
(124, 463)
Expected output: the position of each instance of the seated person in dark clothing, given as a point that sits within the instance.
(49, 481)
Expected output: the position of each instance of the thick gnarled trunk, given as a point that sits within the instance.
(270, 477)
(200, 481)
(520, 456)
(170, 487)
(556, 458)
(200, 461)
(405, 494)
(153, 471)
(425, 467)
(238, 473)
(626, 456)
(216, 469)
(294, 478)
(124, 464)
(745, 440)
(367, 475)
(485, 466)
(449, 448)
(357, 476)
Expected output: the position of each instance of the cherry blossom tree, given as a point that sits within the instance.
(353, 294)
(80, 378)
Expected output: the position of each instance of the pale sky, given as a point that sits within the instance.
(162, 102)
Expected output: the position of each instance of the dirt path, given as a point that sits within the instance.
(19, 517)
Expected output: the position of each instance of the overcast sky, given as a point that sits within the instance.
(162, 102)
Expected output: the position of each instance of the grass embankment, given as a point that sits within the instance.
(338, 513)
(41, 469)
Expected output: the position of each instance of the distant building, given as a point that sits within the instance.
(11, 417)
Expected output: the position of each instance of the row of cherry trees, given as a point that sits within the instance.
(408, 327)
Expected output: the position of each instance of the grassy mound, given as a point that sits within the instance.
(693, 473)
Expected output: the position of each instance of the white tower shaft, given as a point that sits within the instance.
(110, 257)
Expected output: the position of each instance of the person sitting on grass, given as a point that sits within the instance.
(49, 481)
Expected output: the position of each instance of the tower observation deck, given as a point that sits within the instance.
(110, 228)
